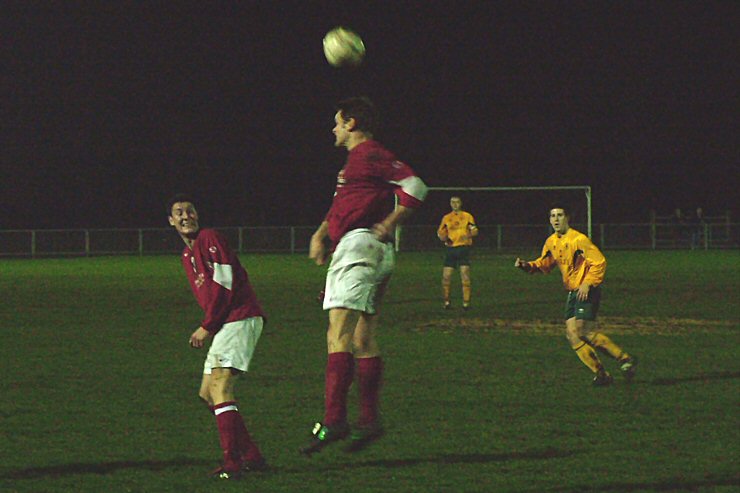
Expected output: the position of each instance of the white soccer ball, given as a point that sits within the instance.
(343, 47)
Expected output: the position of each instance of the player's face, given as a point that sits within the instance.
(455, 203)
(184, 218)
(341, 130)
(559, 220)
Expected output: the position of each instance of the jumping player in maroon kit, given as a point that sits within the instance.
(234, 318)
(360, 224)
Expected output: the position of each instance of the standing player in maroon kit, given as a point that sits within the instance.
(234, 318)
(360, 224)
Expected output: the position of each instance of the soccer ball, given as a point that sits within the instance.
(343, 47)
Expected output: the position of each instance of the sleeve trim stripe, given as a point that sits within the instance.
(413, 186)
(223, 275)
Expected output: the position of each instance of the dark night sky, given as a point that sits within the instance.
(107, 111)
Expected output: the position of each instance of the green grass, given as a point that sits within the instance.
(99, 388)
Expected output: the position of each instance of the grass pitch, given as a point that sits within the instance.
(100, 387)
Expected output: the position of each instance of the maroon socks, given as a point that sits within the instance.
(339, 374)
(369, 378)
(235, 440)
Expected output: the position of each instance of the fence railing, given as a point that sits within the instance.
(295, 239)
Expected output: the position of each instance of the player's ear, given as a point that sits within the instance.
(350, 124)
(171, 220)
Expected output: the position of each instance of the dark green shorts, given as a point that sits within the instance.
(583, 310)
(457, 256)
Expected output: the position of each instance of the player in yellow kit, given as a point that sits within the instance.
(457, 230)
(582, 266)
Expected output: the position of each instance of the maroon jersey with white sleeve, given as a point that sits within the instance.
(219, 282)
(365, 188)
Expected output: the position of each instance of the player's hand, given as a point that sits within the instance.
(383, 231)
(317, 250)
(583, 292)
(443, 238)
(198, 337)
(519, 263)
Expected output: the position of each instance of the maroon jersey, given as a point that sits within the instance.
(219, 282)
(365, 187)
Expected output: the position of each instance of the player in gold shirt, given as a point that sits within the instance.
(457, 230)
(582, 266)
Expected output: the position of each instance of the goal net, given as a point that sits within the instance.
(507, 217)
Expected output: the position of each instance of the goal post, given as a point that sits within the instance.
(584, 205)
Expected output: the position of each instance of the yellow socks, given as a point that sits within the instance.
(466, 292)
(587, 354)
(602, 343)
(446, 291)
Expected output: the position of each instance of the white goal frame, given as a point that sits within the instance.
(585, 188)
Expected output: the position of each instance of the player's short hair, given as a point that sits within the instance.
(559, 205)
(364, 111)
(178, 197)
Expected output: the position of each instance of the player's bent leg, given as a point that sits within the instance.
(587, 355)
(240, 453)
(605, 345)
(627, 363)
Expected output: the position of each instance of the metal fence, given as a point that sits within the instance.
(295, 239)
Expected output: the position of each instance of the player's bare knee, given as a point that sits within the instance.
(361, 346)
(339, 341)
(572, 334)
(205, 396)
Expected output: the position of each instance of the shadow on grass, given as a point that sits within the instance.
(665, 485)
(472, 458)
(407, 301)
(109, 467)
(704, 377)
(99, 468)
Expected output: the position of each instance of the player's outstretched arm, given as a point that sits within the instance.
(522, 264)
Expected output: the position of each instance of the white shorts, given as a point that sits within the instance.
(233, 345)
(359, 265)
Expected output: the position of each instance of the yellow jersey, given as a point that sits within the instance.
(459, 228)
(577, 257)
